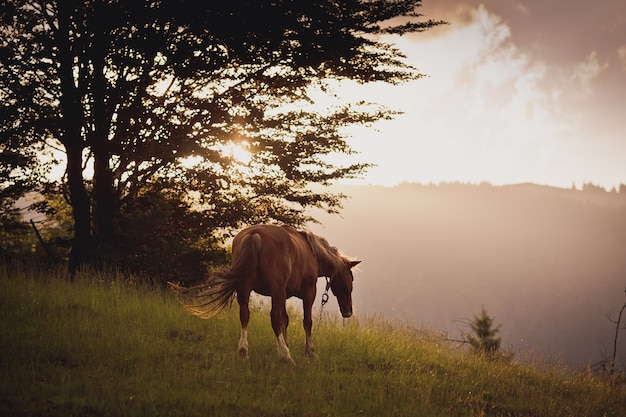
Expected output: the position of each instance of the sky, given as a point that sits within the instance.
(516, 91)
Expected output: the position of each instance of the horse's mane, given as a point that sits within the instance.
(325, 253)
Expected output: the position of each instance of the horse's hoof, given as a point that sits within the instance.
(287, 359)
(243, 354)
(311, 354)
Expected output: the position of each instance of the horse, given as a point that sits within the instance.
(279, 262)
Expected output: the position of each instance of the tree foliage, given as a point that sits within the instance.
(138, 94)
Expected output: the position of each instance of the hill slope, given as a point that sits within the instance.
(96, 347)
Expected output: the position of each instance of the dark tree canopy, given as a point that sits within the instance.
(152, 96)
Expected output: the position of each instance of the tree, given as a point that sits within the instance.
(618, 323)
(13, 238)
(484, 340)
(164, 240)
(142, 93)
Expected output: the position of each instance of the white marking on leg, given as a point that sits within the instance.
(283, 350)
(309, 350)
(243, 344)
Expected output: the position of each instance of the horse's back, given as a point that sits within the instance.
(284, 256)
(272, 238)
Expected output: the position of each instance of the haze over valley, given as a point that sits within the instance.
(549, 264)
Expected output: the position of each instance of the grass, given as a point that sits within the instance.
(101, 346)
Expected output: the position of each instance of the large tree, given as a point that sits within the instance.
(145, 95)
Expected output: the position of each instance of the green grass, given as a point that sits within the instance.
(104, 347)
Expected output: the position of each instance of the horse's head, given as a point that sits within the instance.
(341, 285)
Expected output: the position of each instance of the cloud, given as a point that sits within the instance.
(621, 54)
(522, 9)
(482, 114)
(587, 71)
(492, 109)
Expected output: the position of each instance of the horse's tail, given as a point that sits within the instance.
(208, 299)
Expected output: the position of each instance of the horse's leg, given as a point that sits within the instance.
(243, 297)
(307, 322)
(286, 321)
(279, 318)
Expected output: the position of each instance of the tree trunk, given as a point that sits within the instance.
(72, 139)
(104, 193)
(79, 199)
(104, 198)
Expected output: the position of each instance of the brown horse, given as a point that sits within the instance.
(280, 262)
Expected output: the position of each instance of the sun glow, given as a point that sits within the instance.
(239, 152)
(191, 162)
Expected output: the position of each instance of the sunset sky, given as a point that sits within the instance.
(517, 91)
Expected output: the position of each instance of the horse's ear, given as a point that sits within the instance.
(354, 263)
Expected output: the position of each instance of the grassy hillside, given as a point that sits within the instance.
(103, 347)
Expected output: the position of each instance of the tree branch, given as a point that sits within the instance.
(49, 252)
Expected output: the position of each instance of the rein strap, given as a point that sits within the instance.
(324, 301)
(325, 295)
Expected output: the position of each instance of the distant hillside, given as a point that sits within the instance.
(547, 263)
